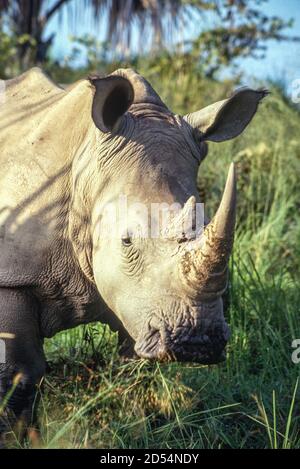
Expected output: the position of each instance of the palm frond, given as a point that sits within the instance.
(152, 20)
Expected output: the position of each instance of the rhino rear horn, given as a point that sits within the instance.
(113, 96)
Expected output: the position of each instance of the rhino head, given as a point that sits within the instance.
(166, 289)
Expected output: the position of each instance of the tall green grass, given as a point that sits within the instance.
(92, 398)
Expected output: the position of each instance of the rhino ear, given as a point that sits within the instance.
(112, 97)
(228, 118)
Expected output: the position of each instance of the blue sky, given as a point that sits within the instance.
(282, 60)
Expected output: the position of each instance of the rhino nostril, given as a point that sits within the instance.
(149, 345)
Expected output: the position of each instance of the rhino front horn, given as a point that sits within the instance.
(224, 220)
(205, 260)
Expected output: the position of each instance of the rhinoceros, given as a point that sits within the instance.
(67, 152)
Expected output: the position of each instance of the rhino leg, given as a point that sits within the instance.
(22, 362)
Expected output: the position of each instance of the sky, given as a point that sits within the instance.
(282, 61)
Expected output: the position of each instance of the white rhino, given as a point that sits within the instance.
(66, 154)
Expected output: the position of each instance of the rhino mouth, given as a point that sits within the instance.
(204, 345)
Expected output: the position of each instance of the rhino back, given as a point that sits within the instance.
(36, 155)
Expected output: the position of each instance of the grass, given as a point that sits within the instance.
(93, 399)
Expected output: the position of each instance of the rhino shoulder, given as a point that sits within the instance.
(35, 78)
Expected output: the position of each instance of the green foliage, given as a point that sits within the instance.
(221, 31)
(241, 29)
(9, 44)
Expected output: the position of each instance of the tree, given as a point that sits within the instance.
(239, 27)
(29, 18)
(242, 30)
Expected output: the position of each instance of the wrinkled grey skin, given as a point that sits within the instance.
(66, 153)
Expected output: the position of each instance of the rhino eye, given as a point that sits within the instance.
(126, 241)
